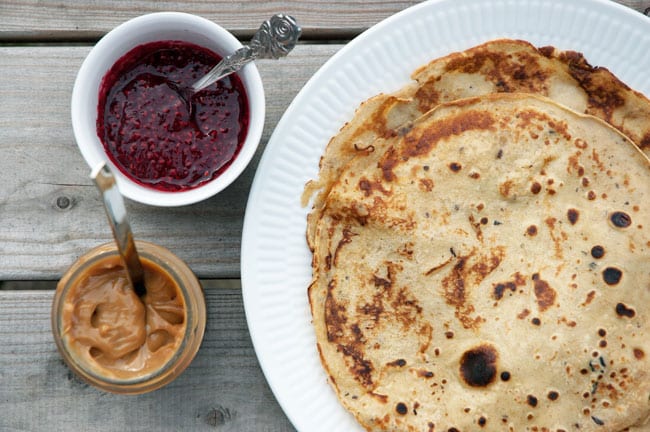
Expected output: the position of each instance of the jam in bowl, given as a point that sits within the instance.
(129, 108)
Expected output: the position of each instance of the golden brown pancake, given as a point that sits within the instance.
(495, 67)
(487, 268)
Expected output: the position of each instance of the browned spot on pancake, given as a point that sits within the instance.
(467, 274)
(645, 141)
(531, 400)
(573, 215)
(580, 143)
(380, 397)
(427, 96)
(624, 311)
(369, 187)
(591, 195)
(535, 188)
(546, 51)
(367, 149)
(346, 239)
(335, 316)
(590, 297)
(568, 322)
(348, 340)
(498, 289)
(478, 366)
(544, 293)
(620, 219)
(523, 314)
(531, 230)
(397, 363)
(557, 237)
(420, 142)
(505, 188)
(426, 184)
(519, 71)
(528, 117)
(476, 226)
(405, 308)
(387, 163)
(638, 353)
(438, 267)
(422, 373)
(455, 166)
(596, 158)
(574, 164)
(612, 275)
(360, 367)
(425, 334)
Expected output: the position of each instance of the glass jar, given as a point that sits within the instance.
(80, 315)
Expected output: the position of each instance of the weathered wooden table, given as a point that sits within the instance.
(50, 213)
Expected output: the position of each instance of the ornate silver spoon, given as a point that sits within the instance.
(274, 39)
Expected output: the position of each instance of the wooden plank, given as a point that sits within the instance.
(70, 19)
(223, 388)
(73, 20)
(50, 210)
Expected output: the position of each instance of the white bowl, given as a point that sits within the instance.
(137, 31)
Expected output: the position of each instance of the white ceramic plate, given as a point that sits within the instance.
(275, 260)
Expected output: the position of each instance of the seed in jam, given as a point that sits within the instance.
(153, 134)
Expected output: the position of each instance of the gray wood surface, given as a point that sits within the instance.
(222, 390)
(77, 20)
(51, 211)
(74, 20)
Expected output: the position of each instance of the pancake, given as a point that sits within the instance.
(487, 269)
(497, 66)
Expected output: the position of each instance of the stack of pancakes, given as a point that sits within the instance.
(481, 248)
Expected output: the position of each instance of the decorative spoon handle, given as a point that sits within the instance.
(274, 39)
(116, 212)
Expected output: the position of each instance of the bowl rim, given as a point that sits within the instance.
(115, 44)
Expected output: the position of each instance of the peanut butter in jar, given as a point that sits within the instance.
(118, 341)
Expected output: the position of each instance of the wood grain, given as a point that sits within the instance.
(70, 19)
(51, 211)
(223, 389)
(321, 19)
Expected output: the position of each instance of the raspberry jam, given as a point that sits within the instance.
(153, 134)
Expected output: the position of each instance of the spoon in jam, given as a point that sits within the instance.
(274, 39)
(116, 212)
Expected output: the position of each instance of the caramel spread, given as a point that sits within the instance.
(115, 332)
